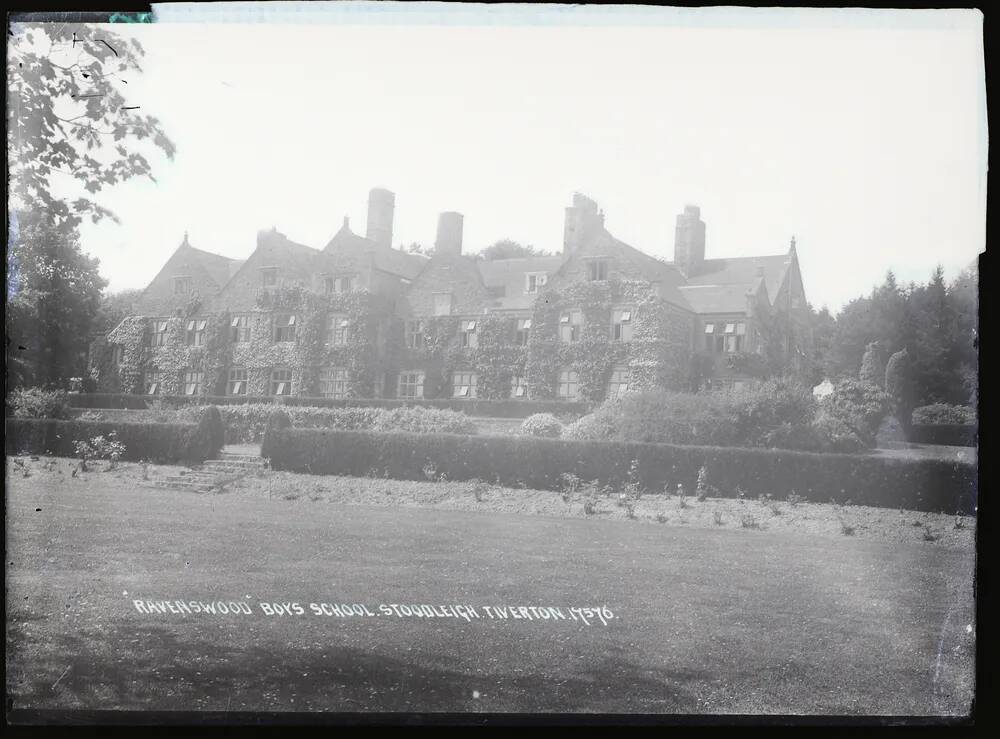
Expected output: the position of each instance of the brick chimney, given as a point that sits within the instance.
(449, 234)
(583, 219)
(689, 241)
(381, 204)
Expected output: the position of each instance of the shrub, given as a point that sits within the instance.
(768, 405)
(859, 406)
(35, 402)
(542, 424)
(99, 447)
(278, 420)
(965, 435)
(664, 417)
(944, 414)
(748, 521)
(597, 426)
(211, 430)
(421, 420)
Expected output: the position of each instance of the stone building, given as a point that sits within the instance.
(362, 319)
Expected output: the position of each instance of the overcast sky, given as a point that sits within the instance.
(864, 136)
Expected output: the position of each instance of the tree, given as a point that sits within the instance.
(873, 365)
(415, 248)
(899, 387)
(54, 290)
(508, 249)
(114, 308)
(963, 294)
(71, 125)
(936, 375)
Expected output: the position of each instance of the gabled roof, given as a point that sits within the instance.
(395, 262)
(721, 298)
(745, 271)
(219, 268)
(510, 275)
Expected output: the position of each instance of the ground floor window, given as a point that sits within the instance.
(411, 384)
(193, 382)
(618, 384)
(569, 384)
(518, 387)
(152, 381)
(281, 381)
(464, 384)
(333, 382)
(237, 381)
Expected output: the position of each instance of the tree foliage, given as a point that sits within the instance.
(114, 308)
(508, 249)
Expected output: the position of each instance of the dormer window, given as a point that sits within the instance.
(183, 285)
(467, 335)
(534, 280)
(597, 269)
(284, 327)
(621, 324)
(269, 277)
(442, 304)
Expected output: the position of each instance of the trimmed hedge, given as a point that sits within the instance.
(472, 407)
(156, 442)
(947, 434)
(932, 485)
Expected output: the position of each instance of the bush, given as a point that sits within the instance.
(944, 414)
(765, 407)
(277, 420)
(421, 420)
(211, 432)
(542, 424)
(597, 426)
(925, 484)
(664, 417)
(857, 405)
(157, 442)
(947, 435)
(99, 447)
(35, 402)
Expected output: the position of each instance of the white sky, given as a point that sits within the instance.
(868, 144)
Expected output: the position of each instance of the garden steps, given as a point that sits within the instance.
(212, 474)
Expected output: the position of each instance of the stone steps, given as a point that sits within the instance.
(212, 474)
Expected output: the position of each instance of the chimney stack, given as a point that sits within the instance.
(449, 234)
(582, 219)
(381, 204)
(689, 241)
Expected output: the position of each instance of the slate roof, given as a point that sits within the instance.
(745, 271)
(510, 275)
(395, 262)
(718, 298)
(219, 268)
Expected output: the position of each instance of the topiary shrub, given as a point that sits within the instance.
(596, 426)
(213, 427)
(421, 420)
(541, 424)
(276, 421)
(857, 405)
(34, 402)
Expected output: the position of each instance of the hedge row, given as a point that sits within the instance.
(931, 485)
(948, 434)
(156, 442)
(473, 407)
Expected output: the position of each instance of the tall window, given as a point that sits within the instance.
(281, 381)
(151, 381)
(518, 387)
(463, 384)
(117, 354)
(569, 385)
(158, 332)
(621, 324)
(411, 384)
(467, 337)
(193, 382)
(336, 329)
(442, 304)
(182, 285)
(195, 335)
(268, 276)
(333, 382)
(618, 384)
(533, 281)
(240, 326)
(523, 331)
(284, 327)
(338, 283)
(415, 334)
(570, 324)
(237, 381)
(597, 269)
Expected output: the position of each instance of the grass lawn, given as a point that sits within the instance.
(794, 617)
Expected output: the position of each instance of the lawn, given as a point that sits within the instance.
(703, 618)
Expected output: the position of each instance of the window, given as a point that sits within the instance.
(338, 283)
(569, 384)
(268, 276)
(281, 381)
(523, 331)
(237, 381)
(196, 332)
(618, 384)
(193, 382)
(117, 354)
(240, 326)
(734, 333)
(518, 387)
(333, 382)
(151, 382)
(158, 332)
(442, 304)
(182, 285)
(570, 324)
(534, 280)
(411, 384)
(284, 327)
(464, 384)
(621, 325)
(336, 329)
(415, 334)
(467, 338)
(597, 269)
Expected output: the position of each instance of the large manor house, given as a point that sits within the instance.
(361, 319)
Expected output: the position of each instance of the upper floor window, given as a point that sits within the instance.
(284, 327)
(618, 382)
(467, 337)
(240, 326)
(597, 269)
(333, 382)
(570, 325)
(183, 285)
(268, 276)
(281, 381)
(414, 334)
(569, 385)
(117, 354)
(442, 304)
(193, 382)
(518, 387)
(151, 381)
(338, 283)
(523, 331)
(534, 280)
(158, 332)
(464, 384)
(195, 335)
(237, 381)
(336, 329)
(621, 324)
(411, 384)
